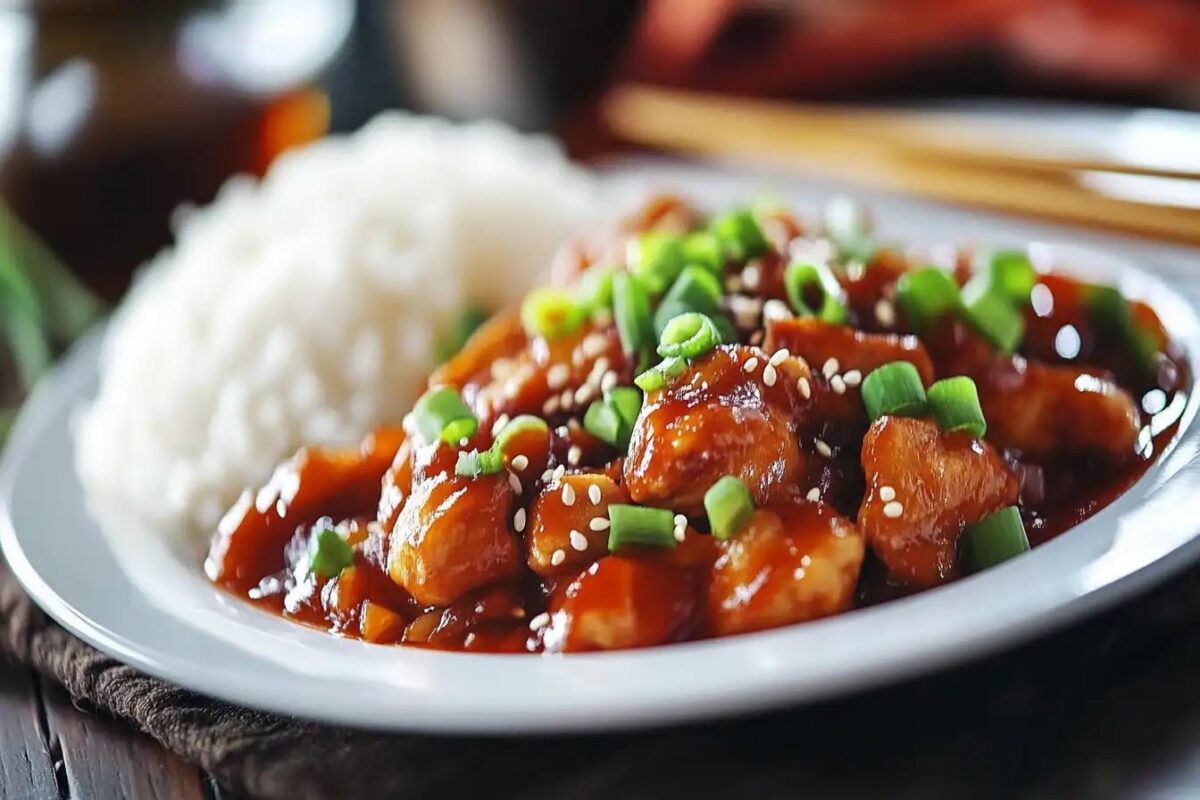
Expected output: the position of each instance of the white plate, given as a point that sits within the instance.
(221, 647)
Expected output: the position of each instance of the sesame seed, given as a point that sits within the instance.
(806, 561)
(887, 494)
(568, 495)
(804, 387)
(585, 393)
(885, 313)
(594, 494)
(463, 441)
(502, 368)
(557, 558)
(769, 375)
(751, 277)
(499, 424)
(798, 574)
(547, 474)
(559, 471)
(514, 482)
(594, 344)
(566, 398)
(680, 520)
(609, 381)
(520, 462)
(751, 364)
(778, 357)
(541, 620)
(852, 378)
(519, 520)
(734, 284)
(557, 376)
(550, 406)
(680, 534)
(599, 523)
(574, 455)
(830, 369)
(823, 448)
(893, 509)
(814, 495)
(838, 384)
(579, 541)
(511, 388)
(467, 642)
(775, 310)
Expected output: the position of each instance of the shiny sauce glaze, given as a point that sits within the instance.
(847, 511)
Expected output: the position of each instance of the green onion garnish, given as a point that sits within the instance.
(729, 507)
(996, 317)
(628, 403)
(703, 249)
(604, 422)
(631, 309)
(995, 538)
(632, 525)
(688, 336)
(473, 463)
(551, 313)
(894, 389)
(661, 375)
(848, 226)
(328, 553)
(656, 259)
(440, 414)
(524, 423)
(595, 289)
(695, 289)
(1009, 272)
(802, 280)
(955, 405)
(926, 295)
(468, 321)
(1110, 309)
(740, 236)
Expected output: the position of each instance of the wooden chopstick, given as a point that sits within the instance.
(886, 149)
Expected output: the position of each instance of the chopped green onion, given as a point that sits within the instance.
(633, 525)
(631, 308)
(729, 507)
(688, 336)
(595, 290)
(328, 553)
(848, 226)
(926, 295)
(661, 375)
(740, 235)
(955, 404)
(628, 403)
(440, 414)
(1009, 272)
(604, 422)
(524, 423)
(1110, 309)
(473, 463)
(703, 249)
(996, 538)
(994, 315)
(552, 313)
(894, 389)
(695, 289)
(656, 259)
(467, 323)
(802, 279)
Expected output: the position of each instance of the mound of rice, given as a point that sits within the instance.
(303, 309)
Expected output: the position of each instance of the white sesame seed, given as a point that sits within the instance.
(520, 462)
(852, 377)
(814, 495)
(594, 494)
(887, 494)
(514, 482)
(502, 368)
(585, 393)
(557, 558)
(578, 541)
(574, 455)
(775, 310)
(751, 364)
(798, 574)
(680, 521)
(594, 344)
(568, 495)
(823, 448)
(559, 471)
(609, 381)
(599, 523)
(893, 509)
(751, 277)
(804, 387)
(557, 376)
(830, 369)
(511, 388)
(547, 474)
(519, 520)
(838, 384)
(566, 398)
(550, 406)
(463, 441)
(680, 534)
(541, 620)
(499, 424)
(769, 375)
(885, 313)
(806, 561)
(467, 642)
(778, 357)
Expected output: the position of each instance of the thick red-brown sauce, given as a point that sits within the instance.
(656, 596)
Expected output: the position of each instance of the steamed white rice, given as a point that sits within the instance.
(303, 309)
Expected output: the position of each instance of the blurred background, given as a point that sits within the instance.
(115, 112)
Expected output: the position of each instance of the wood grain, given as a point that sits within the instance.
(26, 761)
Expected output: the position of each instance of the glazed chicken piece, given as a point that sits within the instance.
(568, 523)
(453, 534)
(500, 338)
(794, 561)
(731, 414)
(923, 487)
(490, 620)
(314, 483)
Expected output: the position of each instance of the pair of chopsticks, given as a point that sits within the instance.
(944, 156)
